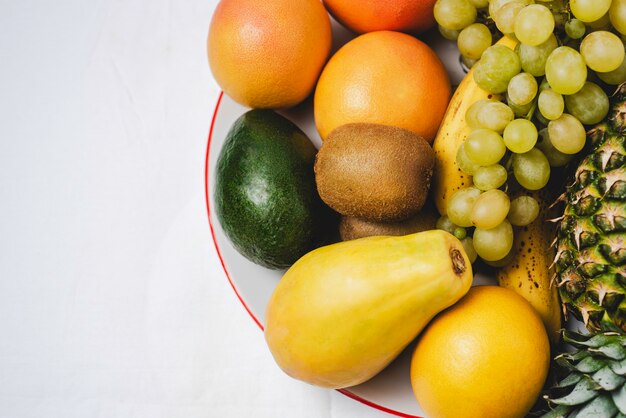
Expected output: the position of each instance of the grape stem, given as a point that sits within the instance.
(531, 112)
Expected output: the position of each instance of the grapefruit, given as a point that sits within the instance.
(372, 15)
(268, 54)
(384, 77)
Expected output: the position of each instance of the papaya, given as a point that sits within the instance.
(343, 312)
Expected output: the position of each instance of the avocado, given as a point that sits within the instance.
(265, 193)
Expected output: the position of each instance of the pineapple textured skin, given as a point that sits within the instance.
(591, 250)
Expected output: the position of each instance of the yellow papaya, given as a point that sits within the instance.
(343, 312)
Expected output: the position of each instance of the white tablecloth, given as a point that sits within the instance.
(113, 303)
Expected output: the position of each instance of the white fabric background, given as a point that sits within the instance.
(112, 299)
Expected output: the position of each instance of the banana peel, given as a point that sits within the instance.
(530, 273)
(448, 177)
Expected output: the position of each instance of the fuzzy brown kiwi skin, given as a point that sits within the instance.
(374, 172)
(355, 228)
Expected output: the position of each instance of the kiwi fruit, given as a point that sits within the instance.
(354, 228)
(374, 172)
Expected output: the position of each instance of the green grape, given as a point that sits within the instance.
(490, 209)
(473, 40)
(506, 14)
(503, 262)
(617, 15)
(495, 5)
(449, 34)
(567, 134)
(496, 67)
(575, 29)
(494, 115)
(533, 58)
(550, 104)
(468, 246)
(603, 51)
(560, 14)
(445, 224)
(604, 23)
(589, 10)
(531, 169)
(484, 147)
(524, 210)
(590, 105)
(495, 243)
(468, 62)
(566, 70)
(489, 177)
(459, 208)
(522, 88)
(460, 232)
(555, 157)
(471, 116)
(463, 161)
(615, 77)
(520, 136)
(519, 110)
(534, 24)
(480, 4)
(454, 14)
(486, 81)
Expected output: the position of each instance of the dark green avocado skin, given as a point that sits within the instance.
(265, 194)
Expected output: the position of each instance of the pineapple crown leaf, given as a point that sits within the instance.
(595, 341)
(584, 391)
(589, 364)
(618, 367)
(607, 379)
(601, 406)
(569, 380)
(613, 351)
(560, 411)
(619, 397)
(595, 385)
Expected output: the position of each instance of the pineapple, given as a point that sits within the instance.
(591, 241)
(594, 386)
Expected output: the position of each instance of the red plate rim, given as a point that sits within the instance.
(232, 284)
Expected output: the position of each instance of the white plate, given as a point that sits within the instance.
(389, 391)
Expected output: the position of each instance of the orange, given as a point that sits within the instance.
(373, 15)
(268, 53)
(487, 356)
(389, 78)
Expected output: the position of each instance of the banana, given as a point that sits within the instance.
(530, 273)
(448, 177)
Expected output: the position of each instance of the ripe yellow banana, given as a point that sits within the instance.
(530, 273)
(448, 177)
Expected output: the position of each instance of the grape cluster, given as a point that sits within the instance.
(551, 85)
